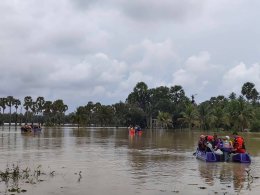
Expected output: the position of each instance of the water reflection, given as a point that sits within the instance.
(157, 162)
(229, 175)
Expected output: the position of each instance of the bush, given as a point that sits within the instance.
(255, 126)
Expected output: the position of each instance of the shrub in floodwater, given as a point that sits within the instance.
(13, 176)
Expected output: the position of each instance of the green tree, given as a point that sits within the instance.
(27, 104)
(58, 108)
(40, 106)
(3, 103)
(165, 119)
(190, 116)
(141, 98)
(241, 114)
(17, 103)
(47, 111)
(10, 103)
(249, 91)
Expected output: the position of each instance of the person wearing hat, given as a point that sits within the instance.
(201, 143)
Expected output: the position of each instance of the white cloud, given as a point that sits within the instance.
(89, 50)
(236, 76)
(196, 72)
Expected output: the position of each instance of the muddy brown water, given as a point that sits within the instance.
(110, 161)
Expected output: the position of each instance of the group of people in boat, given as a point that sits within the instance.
(29, 128)
(222, 145)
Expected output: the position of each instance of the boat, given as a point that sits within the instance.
(241, 158)
(30, 128)
(213, 157)
(208, 156)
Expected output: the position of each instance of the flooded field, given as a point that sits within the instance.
(108, 161)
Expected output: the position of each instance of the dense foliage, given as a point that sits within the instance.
(164, 107)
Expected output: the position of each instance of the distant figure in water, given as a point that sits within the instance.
(137, 128)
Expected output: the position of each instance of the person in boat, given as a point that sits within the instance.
(137, 128)
(216, 142)
(26, 128)
(131, 130)
(226, 147)
(208, 143)
(201, 143)
(238, 144)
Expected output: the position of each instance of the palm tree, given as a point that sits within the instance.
(17, 103)
(34, 109)
(190, 116)
(10, 103)
(165, 119)
(27, 104)
(40, 104)
(241, 113)
(3, 105)
(47, 110)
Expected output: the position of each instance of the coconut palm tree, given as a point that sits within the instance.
(10, 103)
(190, 116)
(165, 119)
(3, 105)
(17, 103)
(40, 102)
(40, 106)
(27, 104)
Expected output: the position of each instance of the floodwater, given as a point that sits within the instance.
(109, 161)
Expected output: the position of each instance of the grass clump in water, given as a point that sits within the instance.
(15, 176)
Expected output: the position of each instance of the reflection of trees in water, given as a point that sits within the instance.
(226, 173)
(153, 156)
(240, 176)
(207, 172)
(87, 135)
(81, 135)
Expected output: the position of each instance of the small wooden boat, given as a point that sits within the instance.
(213, 157)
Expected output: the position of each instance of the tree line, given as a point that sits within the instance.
(169, 107)
(164, 107)
(36, 111)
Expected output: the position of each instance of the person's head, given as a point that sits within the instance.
(227, 137)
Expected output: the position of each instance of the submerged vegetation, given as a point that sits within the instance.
(166, 107)
(14, 176)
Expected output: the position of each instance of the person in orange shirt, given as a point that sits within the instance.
(238, 144)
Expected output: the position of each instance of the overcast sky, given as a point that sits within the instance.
(93, 50)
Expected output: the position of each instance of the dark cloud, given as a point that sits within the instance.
(168, 10)
(81, 51)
